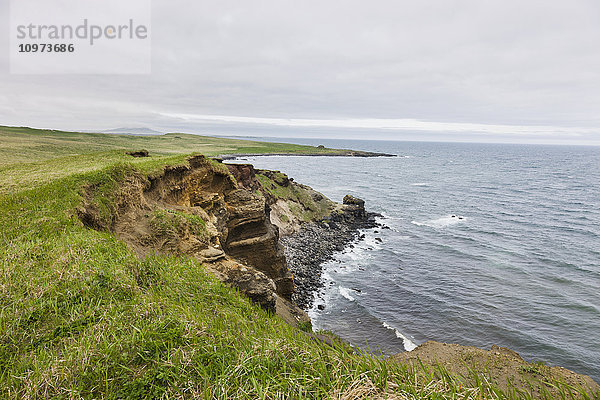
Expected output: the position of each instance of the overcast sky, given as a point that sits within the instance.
(471, 70)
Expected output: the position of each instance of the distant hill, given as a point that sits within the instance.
(133, 131)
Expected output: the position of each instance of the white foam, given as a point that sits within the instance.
(420, 184)
(371, 241)
(346, 293)
(441, 222)
(408, 344)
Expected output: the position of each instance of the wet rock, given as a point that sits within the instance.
(317, 242)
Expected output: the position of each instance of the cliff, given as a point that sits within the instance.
(201, 210)
(229, 218)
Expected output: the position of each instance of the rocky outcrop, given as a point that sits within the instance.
(292, 204)
(254, 240)
(204, 211)
(313, 227)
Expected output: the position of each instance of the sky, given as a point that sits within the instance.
(456, 70)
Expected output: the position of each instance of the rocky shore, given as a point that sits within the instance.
(315, 243)
(330, 153)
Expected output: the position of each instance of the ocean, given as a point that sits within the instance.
(488, 244)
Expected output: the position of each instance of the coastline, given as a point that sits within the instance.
(336, 153)
(147, 250)
(316, 242)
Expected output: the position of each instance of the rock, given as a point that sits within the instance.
(138, 153)
(321, 307)
(316, 196)
(317, 242)
(211, 254)
(251, 282)
(349, 199)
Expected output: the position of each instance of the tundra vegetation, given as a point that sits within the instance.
(83, 316)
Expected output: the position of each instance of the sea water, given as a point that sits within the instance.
(488, 244)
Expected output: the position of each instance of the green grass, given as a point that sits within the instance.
(303, 206)
(25, 145)
(170, 223)
(81, 316)
(32, 157)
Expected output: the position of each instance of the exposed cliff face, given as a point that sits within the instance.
(201, 210)
(313, 227)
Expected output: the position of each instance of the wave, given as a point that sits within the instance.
(442, 222)
(420, 184)
(345, 292)
(408, 344)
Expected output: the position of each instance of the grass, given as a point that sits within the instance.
(31, 157)
(25, 145)
(81, 316)
(302, 205)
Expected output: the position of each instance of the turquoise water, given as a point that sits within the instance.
(489, 244)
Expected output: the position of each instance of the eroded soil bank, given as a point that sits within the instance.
(200, 210)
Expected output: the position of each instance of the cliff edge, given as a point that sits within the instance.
(229, 217)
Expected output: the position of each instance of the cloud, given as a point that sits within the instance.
(494, 69)
(391, 124)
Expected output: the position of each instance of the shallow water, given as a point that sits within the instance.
(489, 244)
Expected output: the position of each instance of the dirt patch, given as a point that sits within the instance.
(138, 153)
(505, 368)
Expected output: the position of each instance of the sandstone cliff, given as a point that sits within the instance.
(203, 211)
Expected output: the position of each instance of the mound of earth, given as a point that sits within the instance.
(503, 366)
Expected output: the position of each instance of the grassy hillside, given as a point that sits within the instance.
(30, 157)
(83, 317)
(26, 144)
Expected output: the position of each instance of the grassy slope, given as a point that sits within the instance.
(300, 202)
(30, 157)
(82, 316)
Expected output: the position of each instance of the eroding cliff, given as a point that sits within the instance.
(203, 211)
(312, 227)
